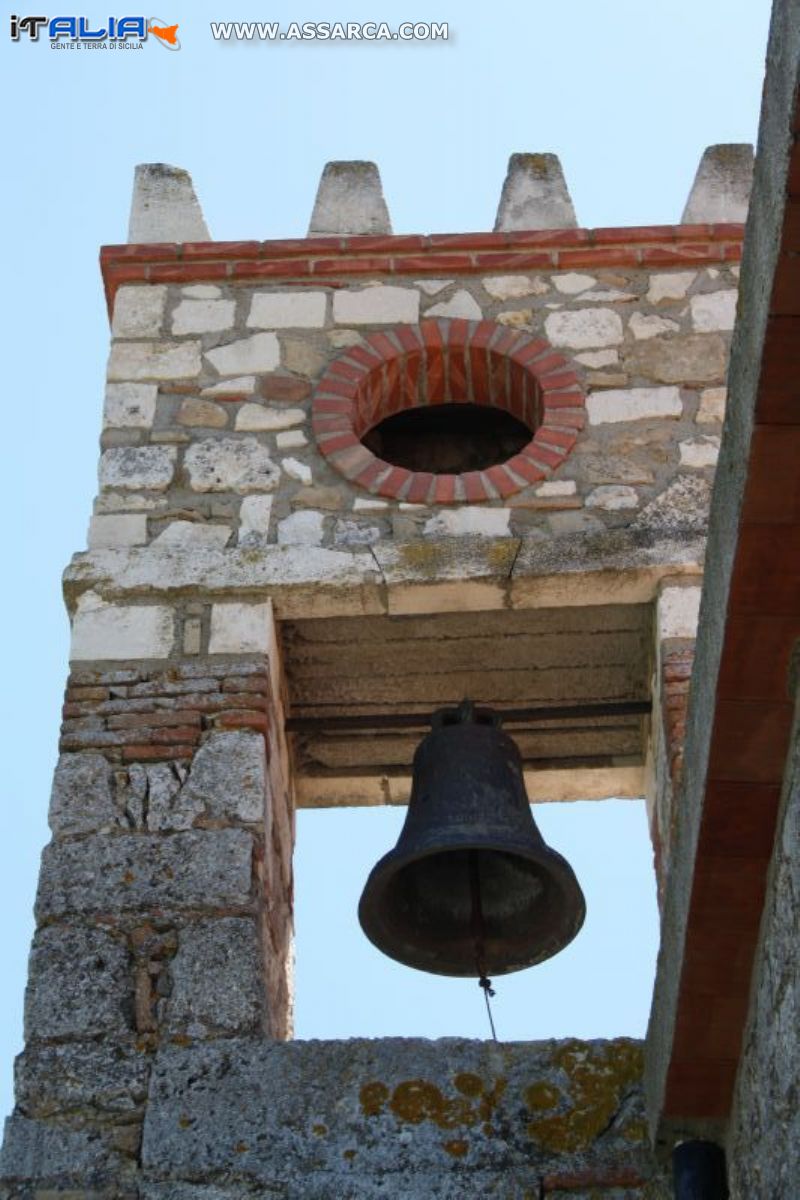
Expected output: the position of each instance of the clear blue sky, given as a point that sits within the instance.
(628, 94)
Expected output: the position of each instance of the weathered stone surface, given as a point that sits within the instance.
(243, 385)
(230, 465)
(633, 404)
(203, 316)
(461, 304)
(129, 405)
(80, 982)
(131, 467)
(584, 327)
(195, 412)
(695, 358)
(193, 533)
(164, 207)
(300, 357)
(520, 318)
(721, 187)
(154, 360)
(109, 1077)
(117, 631)
(677, 612)
(287, 310)
(713, 310)
(683, 506)
(297, 470)
(291, 439)
(712, 406)
(195, 870)
(512, 287)
(431, 287)
(454, 522)
(673, 285)
(125, 529)
(330, 498)
(598, 358)
(310, 1119)
(216, 979)
(534, 195)
(39, 1153)
(557, 487)
(228, 777)
(699, 452)
(355, 533)
(254, 518)
(612, 497)
(258, 418)
(82, 798)
(138, 311)
(608, 468)
(201, 291)
(239, 629)
(380, 305)
(349, 200)
(260, 352)
(153, 797)
(572, 283)
(643, 327)
(302, 528)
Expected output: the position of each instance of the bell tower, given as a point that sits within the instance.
(345, 481)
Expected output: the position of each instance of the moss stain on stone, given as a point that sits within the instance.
(319, 1130)
(349, 1154)
(457, 1147)
(468, 1084)
(421, 556)
(598, 1081)
(373, 1096)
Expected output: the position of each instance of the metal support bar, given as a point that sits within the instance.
(510, 716)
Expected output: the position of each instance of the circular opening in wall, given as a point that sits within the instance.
(448, 438)
(449, 411)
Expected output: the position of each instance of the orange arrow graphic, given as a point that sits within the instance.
(167, 33)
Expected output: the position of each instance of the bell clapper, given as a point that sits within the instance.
(478, 930)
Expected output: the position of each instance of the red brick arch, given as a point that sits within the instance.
(448, 362)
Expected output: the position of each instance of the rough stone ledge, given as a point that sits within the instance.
(305, 581)
(396, 1116)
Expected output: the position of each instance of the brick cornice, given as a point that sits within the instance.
(332, 260)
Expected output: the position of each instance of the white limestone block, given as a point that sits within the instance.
(154, 360)
(303, 528)
(642, 326)
(164, 207)
(350, 200)
(287, 310)
(462, 304)
(261, 352)
(612, 296)
(677, 612)
(712, 405)
(118, 529)
(230, 465)
(240, 628)
(117, 631)
(534, 195)
(584, 327)
(297, 470)
(384, 304)
(187, 534)
(363, 505)
(557, 487)
(714, 310)
(129, 405)
(573, 283)
(598, 358)
(138, 311)
(246, 384)
(699, 452)
(672, 285)
(138, 467)
(254, 516)
(291, 439)
(201, 291)
(203, 316)
(256, 418)
(512, 287)
(481, 522)
(633, 404)
(612, 496)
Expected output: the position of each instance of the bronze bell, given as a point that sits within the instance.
(471, 888)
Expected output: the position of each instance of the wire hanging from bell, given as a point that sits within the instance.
(478, 931)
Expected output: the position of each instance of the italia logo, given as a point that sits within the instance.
(81, 29)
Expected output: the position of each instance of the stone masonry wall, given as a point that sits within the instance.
(207, 435)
